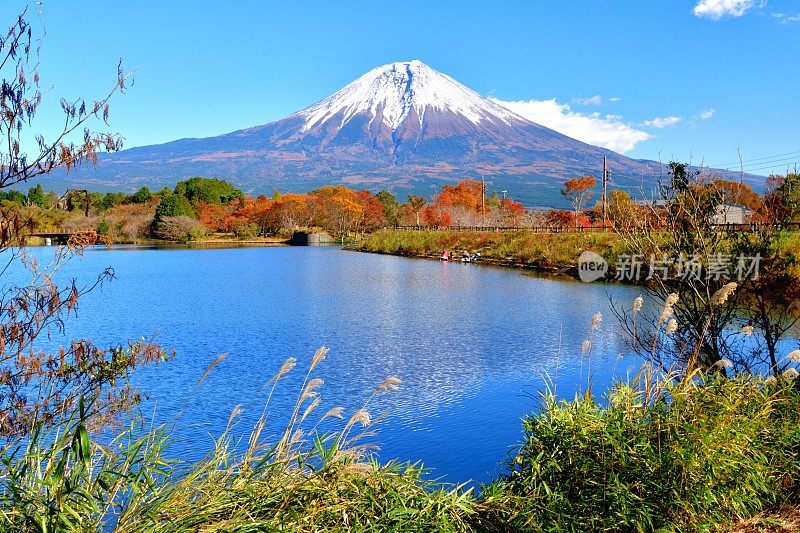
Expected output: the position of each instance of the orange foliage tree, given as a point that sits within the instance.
(579, 191)
(289, 212)
(212, 216)
(338, 208)
(563, 218)
(256, 211)
(735, 192)
(467, 194)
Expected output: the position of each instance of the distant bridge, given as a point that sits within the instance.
(63, 237)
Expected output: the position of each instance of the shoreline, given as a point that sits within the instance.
(545, 254)
(555, 271)
(38, 242)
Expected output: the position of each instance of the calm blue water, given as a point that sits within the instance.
(471, 343)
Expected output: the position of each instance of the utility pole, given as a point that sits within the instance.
(483, 201)
(605, 196)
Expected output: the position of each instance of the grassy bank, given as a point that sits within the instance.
(547, 252)
(525, 249)
(655, 454)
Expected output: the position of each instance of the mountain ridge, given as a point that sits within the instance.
(403, 126)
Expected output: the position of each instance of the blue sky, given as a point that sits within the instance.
(657, 79)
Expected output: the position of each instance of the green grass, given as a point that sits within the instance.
(527, 249)
(656, 454)
(675, 457)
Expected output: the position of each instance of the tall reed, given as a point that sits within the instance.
(306, 480)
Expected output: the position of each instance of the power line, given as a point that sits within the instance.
(718, 165)
(750, 170)
(763, 163)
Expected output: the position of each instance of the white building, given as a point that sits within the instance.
(731, 214)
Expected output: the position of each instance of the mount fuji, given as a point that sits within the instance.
(402, 126)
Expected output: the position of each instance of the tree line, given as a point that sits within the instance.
(200, 206)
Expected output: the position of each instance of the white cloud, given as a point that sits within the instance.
(661, 122)
(716, 9)
(783, 18)
(592, 100)
(706, 114)
(614, 99)
(607, 131)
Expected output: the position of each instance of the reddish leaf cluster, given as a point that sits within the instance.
(333, 207)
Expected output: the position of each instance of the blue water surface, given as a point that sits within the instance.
(472, 344)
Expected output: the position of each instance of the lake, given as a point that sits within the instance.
(471, 343)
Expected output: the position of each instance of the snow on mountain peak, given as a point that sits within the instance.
(390, 92)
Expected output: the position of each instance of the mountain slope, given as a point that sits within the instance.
(402, 126)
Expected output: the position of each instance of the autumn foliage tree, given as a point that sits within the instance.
(579, 191)
(212, 216)
(372, 213)
(291, 211)
(339, 208)
(435, 216)
(248, 212)
(781, 203)
(737, 193)
(561, 218)
(467, 194)
(464, 202)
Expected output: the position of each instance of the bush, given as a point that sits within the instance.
(180, 228)
(245, 230)
(687, 457)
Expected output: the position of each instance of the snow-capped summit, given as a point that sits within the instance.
(391, 93)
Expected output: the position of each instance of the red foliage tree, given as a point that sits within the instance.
(372, 215)
(563, 218)
(433, 215)
(256, 211)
